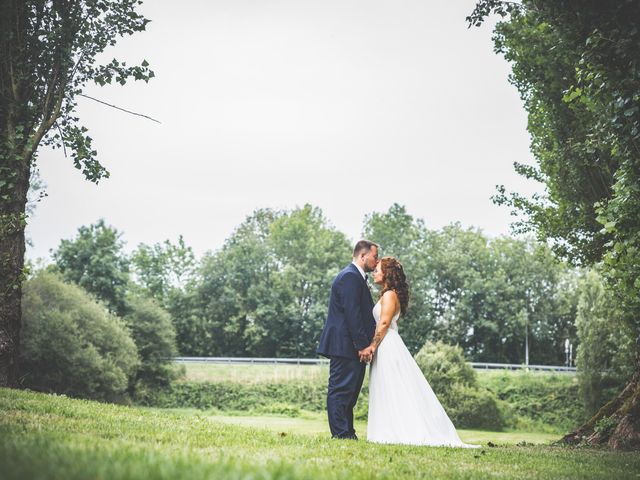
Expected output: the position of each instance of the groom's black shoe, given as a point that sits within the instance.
(346, 437)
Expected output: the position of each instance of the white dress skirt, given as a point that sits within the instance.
(402, 406)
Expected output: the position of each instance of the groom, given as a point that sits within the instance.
(346, 337)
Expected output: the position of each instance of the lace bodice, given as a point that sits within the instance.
(376, 314)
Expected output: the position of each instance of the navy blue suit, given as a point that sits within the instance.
(349, 327)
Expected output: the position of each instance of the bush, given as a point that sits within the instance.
(155, 337)
(231, 396)
(473, 408)
(71, 344)
(444, 365)
(456, 385)
(538, 398)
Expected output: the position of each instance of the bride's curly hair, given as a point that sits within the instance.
(395, 279)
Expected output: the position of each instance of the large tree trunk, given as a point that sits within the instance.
(17, 149)
(12, 247)
(616, 424)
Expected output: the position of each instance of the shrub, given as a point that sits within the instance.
(231, 396)
(538, 398)
(155, 337)
(455, 383)
(444, 365)
(71, 344)
(473, 408)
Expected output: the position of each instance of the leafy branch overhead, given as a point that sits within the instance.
(51, 59)
(577, 68)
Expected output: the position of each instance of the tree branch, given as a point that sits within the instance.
(119, 108)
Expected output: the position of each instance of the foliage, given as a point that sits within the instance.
(234, 396)
(483, 294)
(155, 338)
(45, 436)
(95, 261)
(444, 365)
(605, 355)
(163, 269)
(536, 400)
(407, 239)
(456, 385)
(473, 408)
(579, 79)
(265, 292)
(71, 344)
(575, 65)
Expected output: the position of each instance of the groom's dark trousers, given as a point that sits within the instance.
(349, 327)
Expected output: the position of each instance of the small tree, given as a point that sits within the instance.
(95, 261)
(155, 337)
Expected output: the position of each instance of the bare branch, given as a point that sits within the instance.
(119, 108)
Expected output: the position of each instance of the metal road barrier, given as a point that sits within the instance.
(324, 361)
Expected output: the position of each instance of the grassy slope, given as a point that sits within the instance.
(44, 436)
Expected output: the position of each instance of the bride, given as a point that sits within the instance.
(402, 406)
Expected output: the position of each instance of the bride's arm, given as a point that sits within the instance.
(389, 304)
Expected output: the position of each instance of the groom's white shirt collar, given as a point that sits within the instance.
(360, 270)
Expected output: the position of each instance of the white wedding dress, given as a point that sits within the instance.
(402, 406)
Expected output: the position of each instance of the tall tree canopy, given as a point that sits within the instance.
(577, 67)
(493, 297)
(49, 51)
(265, 292)
(95, 260)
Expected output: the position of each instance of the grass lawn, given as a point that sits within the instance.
(53, 437)
(312, 423)
(246, 373)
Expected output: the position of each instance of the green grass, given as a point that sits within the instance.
(313, 423)
(245, 373)
(257, 373)
(53, 437)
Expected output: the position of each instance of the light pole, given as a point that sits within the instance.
(570, 354)
(567, 346)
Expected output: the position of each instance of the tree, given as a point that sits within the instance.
(575, 64)
(155, 338)
(95, 261)
(401, 236)
(233, 286)
(49, 51)
(604, 358)
(73, 345)
(265, 292)
(488, 296)
(163, 268)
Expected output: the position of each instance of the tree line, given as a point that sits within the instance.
(264, 293)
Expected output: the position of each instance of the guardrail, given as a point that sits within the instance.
(324, 361)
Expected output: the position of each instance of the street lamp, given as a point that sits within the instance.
(567, 349)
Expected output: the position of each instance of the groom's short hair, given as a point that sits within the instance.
(363, 245)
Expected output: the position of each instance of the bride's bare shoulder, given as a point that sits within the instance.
(390, 296)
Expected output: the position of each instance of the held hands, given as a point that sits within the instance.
(366, 354)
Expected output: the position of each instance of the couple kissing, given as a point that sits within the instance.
(402, 406)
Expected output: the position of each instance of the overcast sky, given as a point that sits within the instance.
(347, 105)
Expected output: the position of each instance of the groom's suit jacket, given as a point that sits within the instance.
(350, 325)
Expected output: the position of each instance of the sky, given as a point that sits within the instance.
(348, 105)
